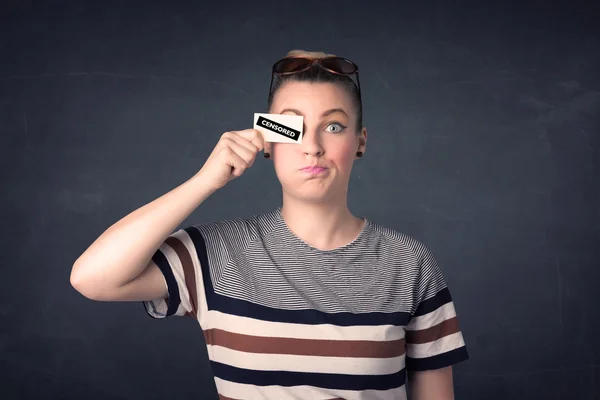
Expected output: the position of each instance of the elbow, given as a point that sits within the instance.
(84, 284)
(78, 282)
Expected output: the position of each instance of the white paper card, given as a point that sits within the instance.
(279, 128)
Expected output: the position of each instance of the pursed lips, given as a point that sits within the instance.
(314, 169)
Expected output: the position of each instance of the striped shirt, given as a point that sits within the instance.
(284, 320)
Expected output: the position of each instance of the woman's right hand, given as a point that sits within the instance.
(233, 154)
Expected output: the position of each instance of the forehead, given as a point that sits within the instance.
(311, 96)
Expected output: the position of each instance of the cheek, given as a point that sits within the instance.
(344, 153)
(283, 148)
(284, 156)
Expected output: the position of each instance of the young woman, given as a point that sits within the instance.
(307, 301)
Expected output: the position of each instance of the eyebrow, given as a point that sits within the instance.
(326, 113)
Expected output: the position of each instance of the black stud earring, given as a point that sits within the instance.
(267, 155)
(359, 153)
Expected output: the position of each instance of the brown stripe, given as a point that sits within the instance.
(306, 347)
(434, 333)
(188, 271)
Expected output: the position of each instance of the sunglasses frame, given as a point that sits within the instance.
(318, 61)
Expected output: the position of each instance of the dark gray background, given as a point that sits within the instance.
(484, 138)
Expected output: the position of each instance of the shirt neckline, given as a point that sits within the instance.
(300, 241)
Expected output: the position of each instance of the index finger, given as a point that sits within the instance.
(254, 136)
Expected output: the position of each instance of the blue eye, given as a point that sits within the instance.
(339, 127)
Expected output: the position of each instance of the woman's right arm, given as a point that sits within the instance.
(118, 265)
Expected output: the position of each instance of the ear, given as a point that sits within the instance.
(362, 140)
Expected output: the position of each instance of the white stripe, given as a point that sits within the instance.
(297, 363)
(252, 392)
(156, 308)
(433, 318)
(440, 346)
(256, 327)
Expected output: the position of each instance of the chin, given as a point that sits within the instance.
(311, 193)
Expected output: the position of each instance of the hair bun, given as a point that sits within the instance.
(309, 54)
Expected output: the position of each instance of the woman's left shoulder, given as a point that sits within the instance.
(398, 239)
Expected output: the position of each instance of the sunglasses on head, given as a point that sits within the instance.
(335, 65)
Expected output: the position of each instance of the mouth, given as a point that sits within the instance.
(313, 170)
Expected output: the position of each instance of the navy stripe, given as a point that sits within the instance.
(200, 246)
(425, 307)
(243, 308)
(439, 361)
(321, 380)
(173, 300)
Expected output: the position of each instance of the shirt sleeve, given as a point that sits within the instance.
(178, 260)
(433, 336)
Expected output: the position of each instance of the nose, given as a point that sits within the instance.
(311, 143)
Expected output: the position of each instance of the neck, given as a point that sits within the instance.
(324, 226)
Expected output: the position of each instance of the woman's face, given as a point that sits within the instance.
(329, 142)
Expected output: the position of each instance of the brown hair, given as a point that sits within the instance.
(317, 74)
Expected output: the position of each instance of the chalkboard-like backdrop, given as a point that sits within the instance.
(483, 142)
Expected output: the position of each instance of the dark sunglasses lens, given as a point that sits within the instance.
(339, 65)
(291, 65)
